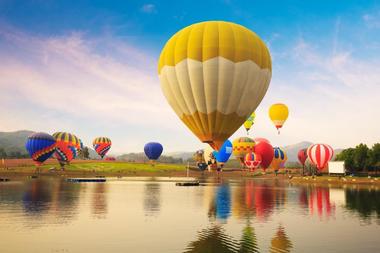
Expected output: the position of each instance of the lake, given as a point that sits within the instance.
(154, 215)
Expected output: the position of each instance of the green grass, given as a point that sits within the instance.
(108, 167)
(125, 167)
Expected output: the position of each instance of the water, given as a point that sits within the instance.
(51, 215)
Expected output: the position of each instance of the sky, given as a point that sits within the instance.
(90, 68)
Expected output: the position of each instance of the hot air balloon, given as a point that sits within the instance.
(102, 145)
(252, 160)
(64, 153)
(320, 154)
(40, 147)
(258, 140)
(265, 150)
(68, 138)
(209, 158)
(153, 150)
(241, 146)
(224, 153)
(249, 122)
(302, 156)
(214, 74)
(279, 158)
(278, 113)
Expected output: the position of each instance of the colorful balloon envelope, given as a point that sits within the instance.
(224, 152)
(278, 113)
(320, 155)
(265, 150)
(249, 122)
(40, 147)
(259, 139)
(302, 156)
(208, 155)
(214, 74)
(64, 152)
(68, 138)
(252, 160)
(153, 150)
(279, 158)
(241, 146)
(102, 145)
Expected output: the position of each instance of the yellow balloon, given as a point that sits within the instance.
(278, 113)
(241, 146)
(214, 74)
(249, 122)
(247, 125)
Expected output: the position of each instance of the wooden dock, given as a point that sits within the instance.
(86, 180)
(190, 183)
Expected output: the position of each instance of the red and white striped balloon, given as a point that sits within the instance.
(320, 154)
(252, 160)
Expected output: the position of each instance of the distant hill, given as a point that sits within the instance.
(13, 142)
(292, 150)
(183, 155)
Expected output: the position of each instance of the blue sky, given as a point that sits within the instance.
(89, 67)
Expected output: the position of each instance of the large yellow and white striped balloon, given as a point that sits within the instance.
(214, 74)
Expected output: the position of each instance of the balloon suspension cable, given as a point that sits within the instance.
(278, 130)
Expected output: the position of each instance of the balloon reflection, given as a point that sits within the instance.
(280, 242)
(220, 206)
(99, 200)
(37, 197)
(152, 198)
(317, 200)
(258, 199)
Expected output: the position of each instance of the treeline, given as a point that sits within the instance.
(141, 157)
(11, 154)
(361, 158)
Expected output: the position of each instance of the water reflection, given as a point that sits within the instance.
(237, 215)
(213, 239)
(248, 242)
(99, 200)
(152, 198)
(366, 202)
(37, 197)
(280, 242)
(258, 199)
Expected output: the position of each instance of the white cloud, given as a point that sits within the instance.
(148, 8)
(65, 83)
(372, 20)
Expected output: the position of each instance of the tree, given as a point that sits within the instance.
(361, 156)
(3, 154)
(375, 155)
(347, 155)
(85, 153)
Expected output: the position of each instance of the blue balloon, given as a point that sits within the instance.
(40, 146)
(153, 150)
(224, 153)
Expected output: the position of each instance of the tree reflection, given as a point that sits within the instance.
(280, 242)
(364, 201)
